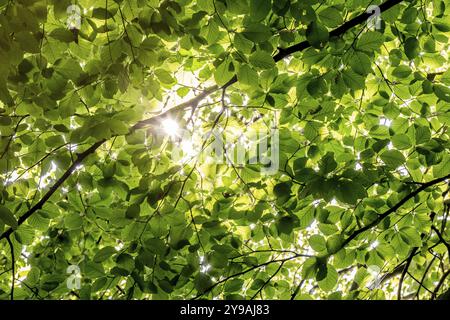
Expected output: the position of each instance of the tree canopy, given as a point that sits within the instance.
(102, 197)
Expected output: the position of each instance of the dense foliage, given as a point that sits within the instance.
(358, 208)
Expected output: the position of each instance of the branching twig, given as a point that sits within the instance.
(13, 267)
(405, 270)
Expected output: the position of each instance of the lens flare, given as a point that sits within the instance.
(171, 127)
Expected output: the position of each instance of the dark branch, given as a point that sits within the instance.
(441, 282)
(283, 53)
(405, 270)
(13, 268)
(394, 208)
(268, 280)
(55, 187)
(441, 238)
(243, 272)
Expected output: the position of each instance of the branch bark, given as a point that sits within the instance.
(13, 268)
(438, 287)
(55, 187)
(363, 17)
(441, 238)
(244, 272)
(394, 209)
(405, 270)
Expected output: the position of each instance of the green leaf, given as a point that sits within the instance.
(317, 242)
(257, 32)
(247, 75)
(213, 33)
(62, 34)
(282, 191)
(411, 236)
(259, 9)
(73, 221)
(117, 127)
(309, 268)
(350, 191)
(401, 141)
(393, 158)
(104, 254)
(234, 285)
(286, 225)
(442, 92)
(54, 141)
(223, 73)
(360, 63)
(164, 76)
(262, 60)
(7, 217)
(242, 43)
(331, 17)
(423, 134)
(442, 169)
(370, 41)
(412, 47)
(353, 80)
(327, 164)
(317, 87)
(334, 243)
(401, 72)
(5, 121)
(331, 279)
(312, 130)
(133, 211)
(316, 34)
(202, 282)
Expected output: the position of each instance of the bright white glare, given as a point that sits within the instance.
(288, 59)
(313, 228)
(23, 272)
(385, 122)
(12, 178)
(188, 148)
(204, 266)
(316, 203)
(407, 103)
(374, 244)
(402, 171)
(170, 127)
(72, 147)
(45, 179)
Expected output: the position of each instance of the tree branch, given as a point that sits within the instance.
(394, 208)
(13, 267)
(441, 282)
(268, 280)
(405, 270)
(55, 187)
(441, 238)
(188, 104)
(244, 272)
(283, 53)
